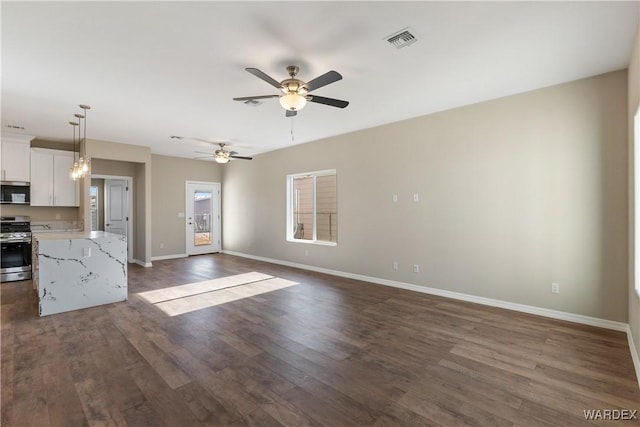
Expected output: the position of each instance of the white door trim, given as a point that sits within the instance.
(129, 180)
(217, 207)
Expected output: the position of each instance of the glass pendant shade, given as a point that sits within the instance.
(221, 158)
(292, 101)
(82, 166)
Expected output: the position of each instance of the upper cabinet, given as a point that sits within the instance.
(51, 184)
(14, 157)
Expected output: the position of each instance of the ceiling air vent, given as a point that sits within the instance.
(402, 38)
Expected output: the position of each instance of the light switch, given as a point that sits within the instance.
(180, 214)
(416, 198)
(395, 198)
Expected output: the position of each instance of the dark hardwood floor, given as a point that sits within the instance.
(300, 349)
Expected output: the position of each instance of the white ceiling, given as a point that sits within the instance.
(155, 69)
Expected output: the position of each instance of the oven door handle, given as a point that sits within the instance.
(19, 240)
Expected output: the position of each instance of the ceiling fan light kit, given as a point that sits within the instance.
(221, 157)
(292, 101)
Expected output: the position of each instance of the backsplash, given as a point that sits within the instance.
(42, 213)
(56, 225)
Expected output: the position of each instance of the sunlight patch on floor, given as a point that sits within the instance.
(182, 299)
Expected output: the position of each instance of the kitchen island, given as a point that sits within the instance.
(74, 270)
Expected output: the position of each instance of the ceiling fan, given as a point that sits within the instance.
(223, 156)
(295, 92)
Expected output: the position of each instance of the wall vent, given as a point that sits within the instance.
(402, 38)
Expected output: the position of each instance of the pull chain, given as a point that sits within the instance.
(292, 136)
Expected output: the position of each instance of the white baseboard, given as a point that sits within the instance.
(163, 257)
(554, 314)
(634, 354)
(142, 263)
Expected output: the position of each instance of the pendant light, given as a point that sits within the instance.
(73, 172)
(82, 166)
(85, 163)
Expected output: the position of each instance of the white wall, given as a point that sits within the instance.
(515, 194)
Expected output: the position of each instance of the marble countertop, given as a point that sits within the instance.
(70, 235)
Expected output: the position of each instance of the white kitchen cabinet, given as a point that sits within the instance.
(14, 157)
(51, 184)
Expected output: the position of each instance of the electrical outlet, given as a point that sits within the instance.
(161, 245)
(394, 198)
(555, 288)
(416, 268)
(57, 216)
(395, 265)
(416, 197)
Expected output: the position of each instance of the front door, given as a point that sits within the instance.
(203, 217)
(116, 198)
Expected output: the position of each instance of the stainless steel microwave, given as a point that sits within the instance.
(14, 192)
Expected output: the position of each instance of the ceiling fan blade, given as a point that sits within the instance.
(241, 157)
(202, 152)
(249, 98)
(328, 101)
(203, 157)
(290, 113)
(259, 74)
(323, 80)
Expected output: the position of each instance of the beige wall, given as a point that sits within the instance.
(633, 104)
(169, 175)
(109, 158)
(53, 145)
(112, 167)
(515, 193)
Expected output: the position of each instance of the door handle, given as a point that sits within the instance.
(107, 224)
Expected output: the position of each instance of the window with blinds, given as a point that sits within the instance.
(312, 211)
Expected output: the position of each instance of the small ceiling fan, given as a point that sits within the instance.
(223, 156)
(295, 92)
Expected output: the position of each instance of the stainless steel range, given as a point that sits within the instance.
(15, 258)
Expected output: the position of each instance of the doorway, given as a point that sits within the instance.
(116, 196)
(202, 208)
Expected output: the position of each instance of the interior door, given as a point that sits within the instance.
(202, 217)
(116, 209)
